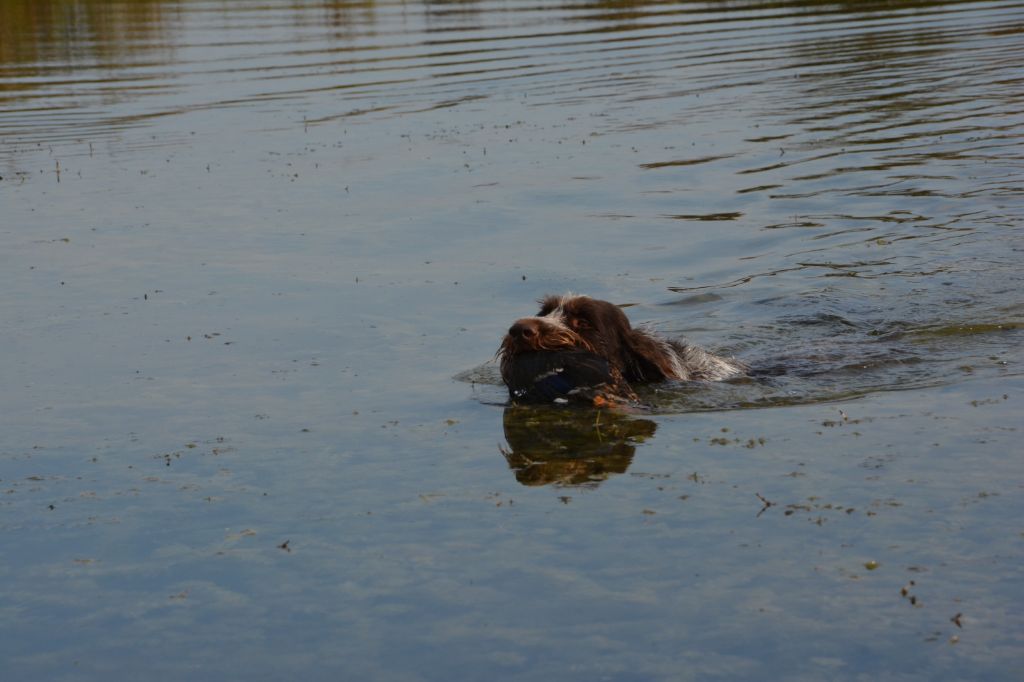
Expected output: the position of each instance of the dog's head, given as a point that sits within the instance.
(565, 322)
(591, 327)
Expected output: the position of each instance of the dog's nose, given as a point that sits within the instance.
(525, 328)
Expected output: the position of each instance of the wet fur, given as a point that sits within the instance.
(634, 356)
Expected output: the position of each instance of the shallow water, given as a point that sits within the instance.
(257, 258)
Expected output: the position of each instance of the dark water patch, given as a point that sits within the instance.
(702, 217)
(766, 138)
(958, 330)
(684, 162)
(758, 188)
(802, 223)
(696, 299)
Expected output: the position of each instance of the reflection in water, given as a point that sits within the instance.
(48, 34)
(568, 446)
(865, 67)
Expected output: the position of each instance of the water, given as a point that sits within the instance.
(257, 257)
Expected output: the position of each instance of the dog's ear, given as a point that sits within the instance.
(646, 358)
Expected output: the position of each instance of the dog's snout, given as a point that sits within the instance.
(524, 329)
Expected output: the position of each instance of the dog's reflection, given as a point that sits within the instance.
(567, 446)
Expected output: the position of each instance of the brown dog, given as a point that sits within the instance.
(581, 347)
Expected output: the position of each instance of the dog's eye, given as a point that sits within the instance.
(579, 323)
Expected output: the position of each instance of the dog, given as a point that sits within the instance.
(581, 348)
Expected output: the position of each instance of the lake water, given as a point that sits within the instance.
(257, 258)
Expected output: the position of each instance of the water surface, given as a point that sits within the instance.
(257, 258)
